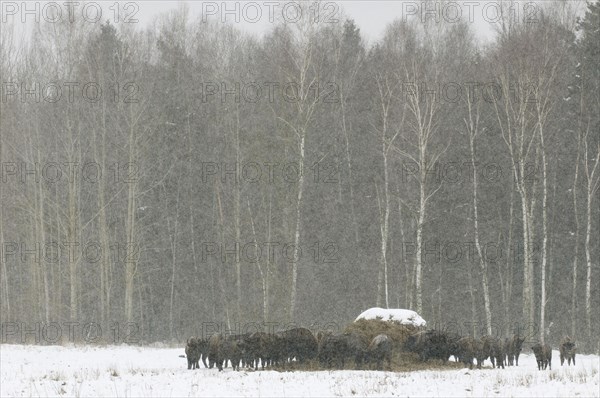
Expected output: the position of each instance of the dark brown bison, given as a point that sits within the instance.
(543, 355)
(334, 350)
(192, 352)
(380, 349)
(322, 334)
(357, 348)
(468, 349)
(494, 349)
(243, 350)
(222, 349)
(252, 349)
(276, 349)
(299, 343)
(514, 350)
(230, 350)
(214, 344)
(202, 345)
(453, 348)
(567, 351)
(429, 344)
(505, 348)
(262, 347)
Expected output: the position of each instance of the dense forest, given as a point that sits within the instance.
(159, 178)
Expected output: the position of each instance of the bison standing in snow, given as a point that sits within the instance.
(334, 350)
(264, 347)
(514, 350)
(567, 351)
(505, 348)
(230, 350)
(453, 348)
(223, 348)
(321, 335)
(252, 349)
(429, 344)
(494, 349)
(214, 343)
(380, 349)
(299, 343)
(543, 355)
(468, 349)
(192, 352)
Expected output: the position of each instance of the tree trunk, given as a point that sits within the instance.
(72, 232)
(130, 228)
(349, 165)
(544, 237)
(473, 126)
(173, 263)
(576, 251)
(593, 183)
(509, 268)
(105, 263)
(264, 271)
(297, 229)
(238, 265)
(403, 262)
(473, 306)
(419, 267)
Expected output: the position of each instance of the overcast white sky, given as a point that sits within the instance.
(372, 16)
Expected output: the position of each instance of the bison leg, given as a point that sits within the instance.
(358, 361)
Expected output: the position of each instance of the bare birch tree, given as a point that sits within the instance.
(473, 129)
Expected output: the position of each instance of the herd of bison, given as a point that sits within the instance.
(333, 351)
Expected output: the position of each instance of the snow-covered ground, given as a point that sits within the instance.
(405, 317)
(124, 371)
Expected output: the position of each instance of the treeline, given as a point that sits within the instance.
(188, 172)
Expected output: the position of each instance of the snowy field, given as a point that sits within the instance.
(123, 371)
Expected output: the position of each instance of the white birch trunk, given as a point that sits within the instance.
(472, 126)
(593, 183)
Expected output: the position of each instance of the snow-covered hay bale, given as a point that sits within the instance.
(398, 333)
(398, 315)
(369, 328)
